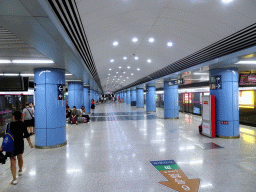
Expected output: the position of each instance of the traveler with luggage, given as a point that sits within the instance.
(15, 132)
(74, 116)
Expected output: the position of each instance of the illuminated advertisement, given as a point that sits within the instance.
(189, 98)
(157, 98)
(186, 98)
(247, 79)
(246, 99)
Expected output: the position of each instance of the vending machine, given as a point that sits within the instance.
(208, 116)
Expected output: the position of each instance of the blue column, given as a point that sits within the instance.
(171, 105)
(50, 113)
(133, 97)
(75, 94)
(87, 99)
(140, 97)
(227, 103)
(128, 96)
(124, 96)
(151, 99)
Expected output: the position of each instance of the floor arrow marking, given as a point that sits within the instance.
(177, 180)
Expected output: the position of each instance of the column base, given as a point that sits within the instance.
(52, 146)
(171, 117)
(228, 137)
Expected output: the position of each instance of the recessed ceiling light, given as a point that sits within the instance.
(128, 67)
(149, 61)
(108, 74)
(120, 67)
(114, 76)
(120, 76)
(110, 69)
(115, 43)
(135, 39)
(124, 72)
(116, 72)
(169, 44)
(127, 77)
(5, 61)
(246, 62)
(124, 80)
(112, 60)
(118, 79)
(138, 69)
(226, 1)
(132, 74)
(151, 40)
(136, 58)
(124, 58)
(32, 61)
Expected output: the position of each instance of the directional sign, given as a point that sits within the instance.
(176, 82)
(60, 92)
(215, 82)
(177, 180)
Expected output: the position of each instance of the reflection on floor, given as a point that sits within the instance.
(113, 154)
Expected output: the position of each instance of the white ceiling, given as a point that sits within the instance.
(190, 25)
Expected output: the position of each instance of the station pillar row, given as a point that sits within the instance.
(87, 99)
(128, 96)
(50, 111)
(124, 96)
(151, 98)
(75, 94)
(140, 97)
(133, 97)
(171, 105)
(226, 102)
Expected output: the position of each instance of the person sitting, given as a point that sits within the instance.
(74, 116)
(68, 113)
(85, 115)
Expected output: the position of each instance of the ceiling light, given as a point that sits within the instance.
(138, 69)
(132, 74)
(136, 58)
(121, 76)
(169, 44)
(10, 74)
(151, 40)
(118, 79)
(114, 76)
(115, 43)
(5, 61)
(108, 74)
(124, 72)
(124, 58)
(135, 39)
(27, 75)
(246, 62)
(68, 74)
(110, 69)
(226, 1)
(127, 77)
(112, 60)
(128, 67)
(149, 60)
(32, 61)
(120, 67)
(124, 80)
(116, 72)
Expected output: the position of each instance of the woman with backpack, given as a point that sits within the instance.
(19, 131)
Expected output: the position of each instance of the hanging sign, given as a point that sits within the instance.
(177, 180)
(60, 92)
(176, 82)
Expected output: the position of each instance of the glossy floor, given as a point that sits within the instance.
(114, 155)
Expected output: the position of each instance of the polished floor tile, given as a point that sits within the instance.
(113, 154)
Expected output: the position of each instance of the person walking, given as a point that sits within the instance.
(19, 131)
(92, 106)
(28, 118)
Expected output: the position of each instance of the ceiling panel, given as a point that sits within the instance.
(189, 25)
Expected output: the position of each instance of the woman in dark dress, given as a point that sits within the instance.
(19, 131)
(92, 106)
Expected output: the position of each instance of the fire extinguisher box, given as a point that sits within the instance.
(208, 116)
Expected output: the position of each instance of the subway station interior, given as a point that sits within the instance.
(168, 89)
